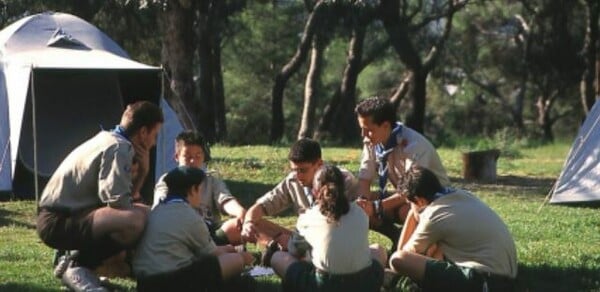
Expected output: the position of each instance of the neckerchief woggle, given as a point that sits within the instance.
(381, 155)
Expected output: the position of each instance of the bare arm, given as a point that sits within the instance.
(253, 215)
(233, 208)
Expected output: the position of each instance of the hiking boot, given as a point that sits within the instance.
(80, 279)
(63, 262)
(267, 254)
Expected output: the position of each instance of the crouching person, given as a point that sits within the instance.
(176, 252)
(451, 240)
(336, 232)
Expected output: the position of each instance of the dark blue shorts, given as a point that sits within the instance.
(302, 276)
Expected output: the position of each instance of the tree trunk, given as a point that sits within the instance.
(219, 91)
(313, 78)
(346, 114)
(277, 119)
(590, 49)
(177, 51)
(544, 105)
(416, 117)
(205, 86)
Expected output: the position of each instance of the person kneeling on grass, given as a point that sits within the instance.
(451, 240)
(176, 252)
(336, 232)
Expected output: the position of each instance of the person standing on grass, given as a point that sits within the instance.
(192, 150)
(338, 255)
(176, 251)
(294, 191)
(451, 240)
(87, 204)
(390, 148)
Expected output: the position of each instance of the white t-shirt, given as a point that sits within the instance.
(339, 247)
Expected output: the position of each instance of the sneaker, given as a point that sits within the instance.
(80, 279)
(267, 254)
(390, 280)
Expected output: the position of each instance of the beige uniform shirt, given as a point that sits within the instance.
(340, 247)
(214, 195)
(290, 193)
(411, 148)
(96, 173)
(175, 236)
(468, 232)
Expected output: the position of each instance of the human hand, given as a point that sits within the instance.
(366, 205)
(239, 220)
(248, 231)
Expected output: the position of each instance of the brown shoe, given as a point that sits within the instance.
(267, 254)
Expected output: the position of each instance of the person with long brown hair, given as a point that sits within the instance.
(330, 251)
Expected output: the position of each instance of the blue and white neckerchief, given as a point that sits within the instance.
(120, 131)
(381, 155)
(444, 191)
(309, 196)
(173, 199)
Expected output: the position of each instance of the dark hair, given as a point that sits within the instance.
(378, 108)
(189, 137)
(305, 150)
(140, 114)
(332, 194)
(180, 179)
(419, 182)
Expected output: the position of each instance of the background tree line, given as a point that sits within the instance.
(255, 72)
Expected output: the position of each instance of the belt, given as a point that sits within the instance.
(339, 277)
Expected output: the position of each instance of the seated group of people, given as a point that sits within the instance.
(443, 239)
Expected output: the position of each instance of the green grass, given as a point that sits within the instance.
(558, 247)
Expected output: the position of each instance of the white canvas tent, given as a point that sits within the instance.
(579, 180)
(61, 81)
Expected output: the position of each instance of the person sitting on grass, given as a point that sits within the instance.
(336, 255)
(176, 252)
(294, 191)
(390, 148)
(452, 241)
(192, 150)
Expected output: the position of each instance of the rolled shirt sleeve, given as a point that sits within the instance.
(279, 198)
(114, 177)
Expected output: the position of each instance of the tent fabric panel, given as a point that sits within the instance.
(578, 181)
(60, 58)
(17, 86)
(33, 33)
(5, 165)
(71, 106)
(165, 143)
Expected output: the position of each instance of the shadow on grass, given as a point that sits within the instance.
(21, 287)
(247, 192)
(547, 278)
(6, 220)
(511, 181)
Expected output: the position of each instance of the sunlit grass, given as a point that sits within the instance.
(558, 246)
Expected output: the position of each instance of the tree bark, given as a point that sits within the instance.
(177, 51)
(277, 119)
(313, 78)
(590, 49)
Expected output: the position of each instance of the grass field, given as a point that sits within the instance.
(558, 247)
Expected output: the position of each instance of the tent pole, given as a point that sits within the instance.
(34, 129)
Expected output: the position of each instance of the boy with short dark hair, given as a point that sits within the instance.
(176, 252)
(192, 150)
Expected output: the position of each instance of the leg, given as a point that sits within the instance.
(379, 254)
(232, 231)
(390, 230)
(409, 264)
(124, 226)
(281, 261)
(231, 264)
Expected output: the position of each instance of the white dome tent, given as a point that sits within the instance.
(61, 81)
